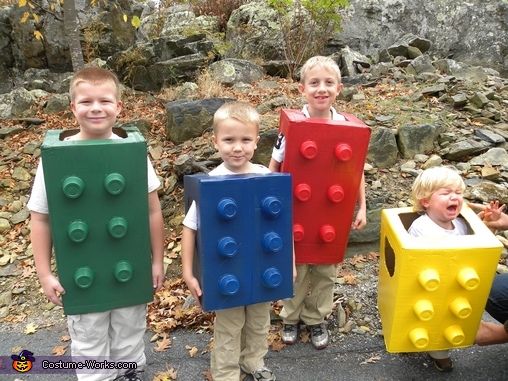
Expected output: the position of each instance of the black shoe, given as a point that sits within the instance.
(131, 375)
(443, 365)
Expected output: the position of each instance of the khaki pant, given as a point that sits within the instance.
(114, 335)
(313, 299)
(240, 336)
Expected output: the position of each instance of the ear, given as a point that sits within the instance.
(119, 107)
(340, 86)
(73, 108)
(301, 88)
(257, 141)
(425, 202)
(214, 140)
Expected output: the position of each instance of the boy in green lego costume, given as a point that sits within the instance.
(111, 334)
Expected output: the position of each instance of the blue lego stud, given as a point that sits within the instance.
(227, 208)
(83, 277)
(272, 277)
(229, 284)
(227, 247)
(73, 187)
(272, 242)
(77, 231)
(117, 227)
(123, 271)
(114, 183)
(271, 206)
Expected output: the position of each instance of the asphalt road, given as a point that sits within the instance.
(352, 357)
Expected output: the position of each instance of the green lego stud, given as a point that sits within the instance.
(114, 183)
(123, 271)
(73, 187)
(83, 277)
(117, 227)
(77, 231)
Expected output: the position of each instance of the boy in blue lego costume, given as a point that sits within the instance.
(240, 333)
(111, 334)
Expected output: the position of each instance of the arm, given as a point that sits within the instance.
(361, 216)
(491, 333)
(156, 239)
(274, 165)
(42, 245)
(188, 242)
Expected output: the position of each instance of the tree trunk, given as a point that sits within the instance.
(71, 28)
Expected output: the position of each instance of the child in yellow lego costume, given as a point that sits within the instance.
(438, 192)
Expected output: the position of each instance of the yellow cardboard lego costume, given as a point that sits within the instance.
(432, 293)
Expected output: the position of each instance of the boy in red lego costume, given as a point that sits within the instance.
(240, 333)
(320, 83)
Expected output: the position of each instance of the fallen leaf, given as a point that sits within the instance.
(59, 350)
(65, 338)
(163, 344)
(167, 375)
(31, 328)
(350, 279)
(192, 350)
(374, 359)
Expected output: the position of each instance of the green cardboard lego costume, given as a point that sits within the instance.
(98, 207)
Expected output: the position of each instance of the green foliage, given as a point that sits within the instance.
(306, 27)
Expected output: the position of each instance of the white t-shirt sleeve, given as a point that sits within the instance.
(191, 218)
(153, 180)
(38, 201)
(279, 149)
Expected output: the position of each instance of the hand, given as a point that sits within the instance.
(492, 215)
(360, 220)
(193, 286)
(52, 289)
(157, 276)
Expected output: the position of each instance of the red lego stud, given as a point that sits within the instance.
(335, 193)
(309, 149)
(303, 192)
(343, 152)
(327, 233)
(298, 232)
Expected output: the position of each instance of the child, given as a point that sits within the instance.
(116, 334)
(320, 83)
(437, 192)
(240, 333)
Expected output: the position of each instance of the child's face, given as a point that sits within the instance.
(236, 143)
(96, 107)
(320, 88)
(444, 205)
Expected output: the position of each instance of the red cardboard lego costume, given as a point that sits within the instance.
(325, 159)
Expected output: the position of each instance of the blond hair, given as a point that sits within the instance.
(243, 112)
(322, 62)
(430, 180)
(95, 75)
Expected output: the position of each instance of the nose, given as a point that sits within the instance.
(322, 86)
(95, 106)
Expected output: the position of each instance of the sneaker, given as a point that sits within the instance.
(130, 375)
(319, 336)
(263, 374)
(443, 365)
(289, 333)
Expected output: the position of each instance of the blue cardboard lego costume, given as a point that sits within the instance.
(244, 250)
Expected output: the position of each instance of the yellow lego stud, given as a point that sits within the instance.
(424, 309)
(454, 335)
(461, 308)
(468, 278)
(419, 337)
(429, 279)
